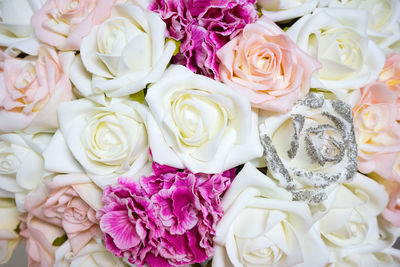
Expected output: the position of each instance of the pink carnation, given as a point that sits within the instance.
(203, 27)
(168, 219)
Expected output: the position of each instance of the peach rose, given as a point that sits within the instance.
(264, 64)
(377, 130)
(39, 237)
(71, 203)
(31, 90)
(64, 23)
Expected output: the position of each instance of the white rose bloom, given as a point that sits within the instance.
(107, 141)
(338, 39)
(312, 148)
(282, 10)
(94, 254)
(262, 226)
(15, 26)
(21, 164)
(383, 20)
(200, 124)
(387, 258)
(351, 225)
(9, 239)
(122, 55)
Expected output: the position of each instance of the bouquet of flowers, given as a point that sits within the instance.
(200, 132)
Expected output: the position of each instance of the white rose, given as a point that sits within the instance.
(94, 254)
(21, 164)
(282, 10)
(351, 225)
(9, 239)
(383, 20)
(107, 141)
(338, 39)
(389, 258)
(200, 124)
(15, 29)
(312, 148)
(122, 55)
(262, 226)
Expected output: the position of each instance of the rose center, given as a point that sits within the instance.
(8, 161)
(106, 141)
(113, 36)
(197, 118)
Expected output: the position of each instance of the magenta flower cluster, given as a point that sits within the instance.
(167, 219)
(203, 27)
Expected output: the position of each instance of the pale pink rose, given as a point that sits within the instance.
(39, 237)
(31, 90)
(64, 23)
(264, 64)
(392, 211)
(390, 75)
(64, 206)
(377, 130)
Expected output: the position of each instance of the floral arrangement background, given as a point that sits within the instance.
(211, 132)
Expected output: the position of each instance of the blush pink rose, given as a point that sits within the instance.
(390, 75)
(377, 130)
(265, 65)
(65, 207)
(392, 211)
(64, 23)
(31, 90)
(39, 237)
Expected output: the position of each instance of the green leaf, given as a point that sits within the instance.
(18, 229)
(177, 45)
(138, 97)
(60, 240)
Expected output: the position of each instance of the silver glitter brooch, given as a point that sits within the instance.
(312, 148)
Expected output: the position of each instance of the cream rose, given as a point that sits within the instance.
(338, 39)
(31, 90)
(312, 148)
(122, 55)
(389, 258)
(107, 141)
(262, 226)
(9, 239)
(351, 225)
(383, 20)
(22, 166)
(199, 123)
(94, 254)
(282, 10)
(15, 26)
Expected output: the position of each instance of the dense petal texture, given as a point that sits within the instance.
(64, 205)
(63, 23)
(169, 218)
(123, 54)
(31, 90)
(266, 66)
(203, 27)
(338, 38)
(377, 130)
(262, 226)
(200, 124)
